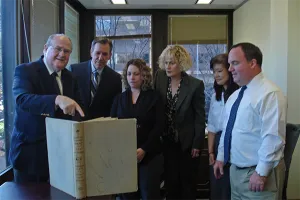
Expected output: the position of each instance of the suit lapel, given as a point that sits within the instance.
(87, 73)
(46, 80)
(165, 85)
(104, 81)
(66, 83)
(184, 90)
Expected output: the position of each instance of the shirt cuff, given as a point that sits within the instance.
(211, 129)
(264, 168)
(220, 156)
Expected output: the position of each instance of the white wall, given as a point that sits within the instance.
(254, 28)
(274, 26)
(277, 70)
(293, 90)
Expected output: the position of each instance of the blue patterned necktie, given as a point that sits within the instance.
(230, 124)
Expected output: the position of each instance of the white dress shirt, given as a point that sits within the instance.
(215, 115)
(58, 77)
(258, 135)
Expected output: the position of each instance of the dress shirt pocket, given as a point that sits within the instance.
(245, 119)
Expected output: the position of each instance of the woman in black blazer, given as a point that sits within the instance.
(184, 132)
(140, 101)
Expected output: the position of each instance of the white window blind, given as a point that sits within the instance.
(72, 30)
(44, 22)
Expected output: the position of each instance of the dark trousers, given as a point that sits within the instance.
(180, 172)
(219, 188)
(149, 176)
(24, 177)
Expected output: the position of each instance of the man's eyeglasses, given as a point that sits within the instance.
(59, 49)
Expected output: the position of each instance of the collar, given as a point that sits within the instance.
(256, 81)
(50, 70)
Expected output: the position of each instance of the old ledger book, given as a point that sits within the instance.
(92, 158)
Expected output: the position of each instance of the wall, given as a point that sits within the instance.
(274, 26)
(293, 90)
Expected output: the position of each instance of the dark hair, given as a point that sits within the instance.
(144, 70)
(102, 40)
(232, 86)
(251, 52)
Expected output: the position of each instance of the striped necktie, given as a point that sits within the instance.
(94, 83)
(230, 124)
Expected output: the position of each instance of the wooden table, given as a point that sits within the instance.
(13, 191)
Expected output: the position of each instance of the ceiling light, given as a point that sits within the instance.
(118, 2)
(204, 1)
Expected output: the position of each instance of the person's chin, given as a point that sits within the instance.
(169, 74)
(59, 67)
(219, 83)
(236, 81)
(100, 66)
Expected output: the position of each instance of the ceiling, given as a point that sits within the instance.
(162, 4)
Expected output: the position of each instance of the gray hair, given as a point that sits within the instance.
(51, 38)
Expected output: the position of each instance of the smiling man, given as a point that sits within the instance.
(98, 83)
(41, 88)
(253, 136)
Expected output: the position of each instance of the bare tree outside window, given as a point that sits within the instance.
(2, 133)
(201, 55)
(130, 35)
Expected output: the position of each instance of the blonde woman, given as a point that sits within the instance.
(183, 136)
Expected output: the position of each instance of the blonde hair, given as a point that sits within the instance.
(179, 54)
(144, 70)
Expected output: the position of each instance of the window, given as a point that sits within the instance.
(206, 38)
(2, 133)
(130, 35)
(201, 55)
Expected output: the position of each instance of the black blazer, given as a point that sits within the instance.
(149, 112)
(34, 94)
(110, 85)
(190, 109)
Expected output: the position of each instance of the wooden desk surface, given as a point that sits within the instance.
(13, 191)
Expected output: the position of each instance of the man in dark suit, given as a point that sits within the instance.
(98, 83)
(41, 88)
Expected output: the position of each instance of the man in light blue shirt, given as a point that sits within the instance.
(253, 137)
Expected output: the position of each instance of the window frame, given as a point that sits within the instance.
(159, 23)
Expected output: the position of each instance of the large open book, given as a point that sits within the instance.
(92, 158)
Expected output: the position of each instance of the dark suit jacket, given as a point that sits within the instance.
(149, 112)
(190, 112)
(110, 85)
(34, 95)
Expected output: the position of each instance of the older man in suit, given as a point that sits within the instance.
(41, 88)
(98, 83)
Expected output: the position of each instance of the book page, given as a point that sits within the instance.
(60, 154)
(111, 163)
(101, 119)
